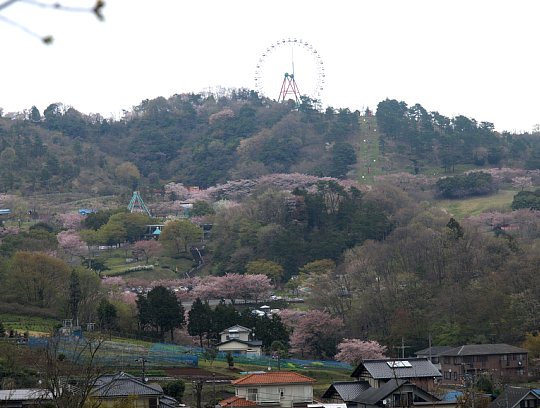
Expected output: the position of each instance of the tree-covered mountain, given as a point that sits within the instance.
(203, 140)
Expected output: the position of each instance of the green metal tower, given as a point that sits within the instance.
(136, 204)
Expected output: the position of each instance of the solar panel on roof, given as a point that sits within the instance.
(399, 364)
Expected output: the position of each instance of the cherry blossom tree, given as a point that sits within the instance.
(316, 334)
(71, 221)
(353, 351)
(147, 248)
(71, 243)
(233, 286)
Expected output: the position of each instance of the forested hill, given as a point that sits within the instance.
(203, 140)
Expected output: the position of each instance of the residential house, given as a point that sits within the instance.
(418, 371)
(273, 388)
(391, 394)
(24, 398)
(516, 397)
(502, 360)
(238, 340)
(111, 389)
(433, 353)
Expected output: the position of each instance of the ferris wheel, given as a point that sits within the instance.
(288, 69)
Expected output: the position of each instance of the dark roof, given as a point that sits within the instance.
(347, 390)
(435, 350)
(254, 343)
(167, 402)
(381, 369)
(374, 395)
(481, 349)
(123, 385)
(511, 397)
(236, 327)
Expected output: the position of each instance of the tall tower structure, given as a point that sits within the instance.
(137, 205)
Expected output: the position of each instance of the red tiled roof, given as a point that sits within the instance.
(274, 377)
(237, 402)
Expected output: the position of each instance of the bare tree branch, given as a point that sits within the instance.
(96, 9)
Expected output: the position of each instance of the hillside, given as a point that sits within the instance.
(376, 220)
(204, 140)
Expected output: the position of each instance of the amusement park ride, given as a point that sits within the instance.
(272, 62)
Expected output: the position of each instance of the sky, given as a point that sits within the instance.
(477, 58)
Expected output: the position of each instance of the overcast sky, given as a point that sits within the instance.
(477, 58)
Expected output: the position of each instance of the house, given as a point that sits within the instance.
(237, 340)
(502, 360)
(112, 389)
(418, 371)
(273, 388)
(28, 397)
(393, 393)
(516, 397)
(433, 353)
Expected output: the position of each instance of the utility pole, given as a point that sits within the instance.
(197, 390)
(142, 360)
(402, 347)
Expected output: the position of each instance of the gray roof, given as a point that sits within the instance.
(374, 395)
(25, 394)
(435, 350)
(253, 343)
(481, 349)
(511, 397)
(381, 369)
(122, 385)
(347, 390)
(238, 328)
(167, 402)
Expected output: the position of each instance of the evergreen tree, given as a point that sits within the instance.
(199, 320)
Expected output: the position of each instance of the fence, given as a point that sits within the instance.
(124, 355)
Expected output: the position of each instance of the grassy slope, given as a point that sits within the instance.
(476, 205)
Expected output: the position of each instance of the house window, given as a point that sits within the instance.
(455, 375)
(252, 394)
(446, 360)
(281, 393)
(152, 403)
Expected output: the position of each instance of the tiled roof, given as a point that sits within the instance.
(237, 402)
(254, 343)
(380, 369)
(347, 390)
(482, 349)
(274, 377)
(122, 385)
(512, 396)
(374, 395)
(238, 328)
(435, 350)
(25, 394)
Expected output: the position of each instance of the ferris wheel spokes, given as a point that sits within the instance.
(311, 71)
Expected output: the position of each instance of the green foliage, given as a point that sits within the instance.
(176, 236)
(471, 184)
(199, 320)
(200, 208)
(527, 199)
(107, 315)
(161, 310)
(175, 389)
